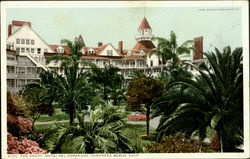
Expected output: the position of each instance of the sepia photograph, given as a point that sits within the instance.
(120, 79)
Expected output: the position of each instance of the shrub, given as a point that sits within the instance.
(24, 146)
(18, 125)
(173, 144)
(17, 106)
(215, 142)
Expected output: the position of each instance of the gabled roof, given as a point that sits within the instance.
(22, 26)
(144, 24)
(54, 47)
(146, 46)
(101, 48)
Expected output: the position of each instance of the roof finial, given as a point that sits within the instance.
(144, 11)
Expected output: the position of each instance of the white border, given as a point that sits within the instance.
(118, 4)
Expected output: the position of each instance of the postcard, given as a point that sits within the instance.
(119, 79)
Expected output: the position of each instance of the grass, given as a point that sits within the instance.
(57, 116)
(132, 133)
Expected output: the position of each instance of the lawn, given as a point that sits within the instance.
(133, 132)
(57, 116)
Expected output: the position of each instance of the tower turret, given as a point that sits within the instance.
(144, 32)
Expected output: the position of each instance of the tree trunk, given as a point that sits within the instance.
(147, 114)
(163, 60)
(71, 115)
(115, 101)
(221, 143)
(105, 92)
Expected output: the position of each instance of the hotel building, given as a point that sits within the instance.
(27, 53)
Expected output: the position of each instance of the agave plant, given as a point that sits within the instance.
(102, 134)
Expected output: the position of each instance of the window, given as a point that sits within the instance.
(38, 50)
(39, 70)
(21, 83)
(27, 41)
(151, 63)
(17, 41)
(18, 49)
(22, 49)
(11, 83)
(32, 50)
(28, 50)
(22, 41)
(31, 70)
(21, 70)
(110, 52)
(32, 42)
(10, 69)
(10, 58)
(159, 62)
(132, 64)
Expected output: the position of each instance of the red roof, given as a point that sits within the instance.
(11, 52)
(112, 57)
(100, 57)
(146, 46)
(20, 23)
(54, 47)
(101, 48)
(144, 24)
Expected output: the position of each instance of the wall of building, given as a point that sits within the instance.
(27, 35)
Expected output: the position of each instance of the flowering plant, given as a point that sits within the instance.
(18, 125)
(141, 117)
(24, 146)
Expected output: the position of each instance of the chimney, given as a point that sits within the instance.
(120, 47)
(9, 30)
(99, 44)
(20, 23)
(198, 46)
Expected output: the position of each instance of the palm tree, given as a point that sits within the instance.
(108, 77)
(102, 134)
(168, 49)
(212, 99)
(117, 95)
(72, 86)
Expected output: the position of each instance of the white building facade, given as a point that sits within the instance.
(27, 53)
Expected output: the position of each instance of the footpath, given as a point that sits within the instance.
(153, 122)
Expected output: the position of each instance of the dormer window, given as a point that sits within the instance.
(91, 51)
(141, 52)
(60, 49)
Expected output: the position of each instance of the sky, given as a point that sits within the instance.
(219, 26)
